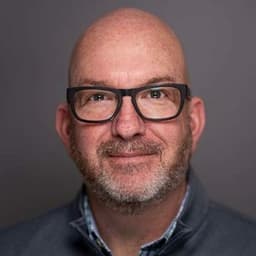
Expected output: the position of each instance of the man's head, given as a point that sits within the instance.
(130, 161)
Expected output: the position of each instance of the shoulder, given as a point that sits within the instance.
(224, 218)
(215, 229)
(38, 231)
(229, 231)
(52, 216)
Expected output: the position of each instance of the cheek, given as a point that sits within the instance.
(169, 133)
(89, 137)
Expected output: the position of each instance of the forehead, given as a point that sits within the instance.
(128, 57)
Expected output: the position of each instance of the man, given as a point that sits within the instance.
(131, 126)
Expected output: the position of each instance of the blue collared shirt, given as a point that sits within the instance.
(149, 249)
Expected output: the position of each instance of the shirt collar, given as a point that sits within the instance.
(146, 249)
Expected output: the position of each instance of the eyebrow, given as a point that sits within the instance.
(152, 80)
(161, 79)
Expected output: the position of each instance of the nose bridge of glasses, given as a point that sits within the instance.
(128, 93)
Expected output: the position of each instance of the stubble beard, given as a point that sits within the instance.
(127, 198)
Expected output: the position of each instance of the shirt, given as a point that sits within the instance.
(149, 249)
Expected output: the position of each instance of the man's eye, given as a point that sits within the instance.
(97, 97)
(156, 94)
(84, 99)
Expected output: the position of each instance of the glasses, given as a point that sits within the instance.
(98, 104)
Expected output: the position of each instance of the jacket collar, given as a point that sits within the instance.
(192, 217)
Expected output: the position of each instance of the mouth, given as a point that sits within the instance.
(129, 154)
(130, 157)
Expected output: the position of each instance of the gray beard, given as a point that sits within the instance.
(127, 203)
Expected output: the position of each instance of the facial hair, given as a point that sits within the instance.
(127, 197)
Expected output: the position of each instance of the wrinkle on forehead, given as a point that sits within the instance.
(126, 29)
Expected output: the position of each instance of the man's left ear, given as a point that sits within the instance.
(197, 119)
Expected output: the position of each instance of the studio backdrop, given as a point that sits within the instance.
(36, 39)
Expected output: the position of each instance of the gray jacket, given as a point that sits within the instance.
(204, 229)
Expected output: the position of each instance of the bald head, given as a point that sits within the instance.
(119, 39)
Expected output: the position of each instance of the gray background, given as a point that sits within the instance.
(36, 38)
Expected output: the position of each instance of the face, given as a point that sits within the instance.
(128, 161)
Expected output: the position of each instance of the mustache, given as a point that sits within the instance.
(117, 146)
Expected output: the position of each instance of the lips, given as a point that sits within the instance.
(130, 154)
(129, 158)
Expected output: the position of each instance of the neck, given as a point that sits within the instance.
(137, 229)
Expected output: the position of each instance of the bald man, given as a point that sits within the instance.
(131, 126)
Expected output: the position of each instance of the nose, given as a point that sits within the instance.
(127, 124)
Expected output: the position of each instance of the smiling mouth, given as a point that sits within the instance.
(130, 155)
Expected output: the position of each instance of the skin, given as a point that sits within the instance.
(146, 51)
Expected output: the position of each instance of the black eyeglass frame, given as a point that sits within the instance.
(185, 93)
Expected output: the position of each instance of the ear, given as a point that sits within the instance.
(197, 119)
(63, 124)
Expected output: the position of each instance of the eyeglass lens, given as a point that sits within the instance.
(162, 102)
